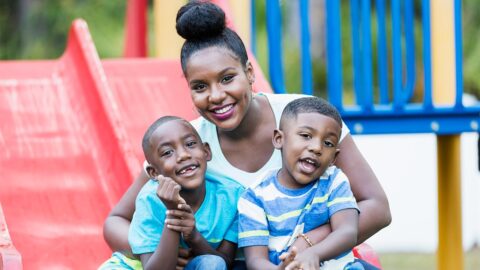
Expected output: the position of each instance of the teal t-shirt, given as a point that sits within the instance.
(216, 219)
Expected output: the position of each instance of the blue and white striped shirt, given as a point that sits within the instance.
(273, 215)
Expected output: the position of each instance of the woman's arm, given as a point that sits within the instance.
(343, 238)
(372, 201)
(115, 228)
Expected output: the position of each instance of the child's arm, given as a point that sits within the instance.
(344, 225)
(257, 258)
(183, 221)
(165, 256)
(166, 253)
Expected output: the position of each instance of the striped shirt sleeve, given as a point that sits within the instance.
(252, 221)
(341, 196)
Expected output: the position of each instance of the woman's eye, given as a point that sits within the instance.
(227, 79)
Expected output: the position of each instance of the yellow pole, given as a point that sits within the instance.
(167, 42)
(450, 249)
(241, 15)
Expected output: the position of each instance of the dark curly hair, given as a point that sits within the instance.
(202, 25)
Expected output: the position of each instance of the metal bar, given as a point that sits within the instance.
(357, 56)
(306, 62)
(458, 53)
(367, 56)
(382, 57)
(275, 58)
(334, 53)
(410, 67)
(397, 55)
(427, 56)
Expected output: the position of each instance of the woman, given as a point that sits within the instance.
(239, 125)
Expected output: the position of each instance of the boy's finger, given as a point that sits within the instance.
(185, 207)
(178, 228)
(175, 191)
(294, 265)
(182, 262)
(179, 214)
(184, 252)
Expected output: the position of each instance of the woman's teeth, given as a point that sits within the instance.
(224, 109)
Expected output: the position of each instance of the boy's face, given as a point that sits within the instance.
(178, 153)
(309, 145)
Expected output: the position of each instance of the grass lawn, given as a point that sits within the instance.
(424, 261)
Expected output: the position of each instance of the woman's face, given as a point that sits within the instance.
(220, 86)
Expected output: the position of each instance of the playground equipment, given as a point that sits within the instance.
(70, 134)
(441, 112)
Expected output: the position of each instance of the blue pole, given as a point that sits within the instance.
(367, 56)
(427, 55)
(397, 55)
(275, 65)
(382, 53)
(307, 80)
(334, 53)
(458, 53)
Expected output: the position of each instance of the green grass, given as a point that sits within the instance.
(424, 261)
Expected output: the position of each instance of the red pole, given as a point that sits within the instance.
(136, 29)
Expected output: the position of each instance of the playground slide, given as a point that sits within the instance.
(70, 135)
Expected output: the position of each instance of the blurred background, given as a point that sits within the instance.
(405, 164)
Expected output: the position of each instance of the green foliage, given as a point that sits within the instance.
(38, 29)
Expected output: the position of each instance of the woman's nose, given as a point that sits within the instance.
(217, 94)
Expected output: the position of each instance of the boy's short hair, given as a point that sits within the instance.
(310, 105)
(148, 134)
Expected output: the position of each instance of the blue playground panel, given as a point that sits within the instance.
(389, 115)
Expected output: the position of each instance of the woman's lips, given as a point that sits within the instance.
(223, 113)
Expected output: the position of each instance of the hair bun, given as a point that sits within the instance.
(200, 20)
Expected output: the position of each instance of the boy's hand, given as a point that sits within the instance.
(305, 260)
(288, 257)
(182, 221)
(169, 192)
(184, 257)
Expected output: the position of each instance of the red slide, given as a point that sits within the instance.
(70, 134)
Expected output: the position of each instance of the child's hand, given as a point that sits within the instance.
(169, 192)
(305, 260)
(184, 257)
(182, 221)
(288, 257)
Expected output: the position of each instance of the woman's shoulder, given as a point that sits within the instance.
(282, 98)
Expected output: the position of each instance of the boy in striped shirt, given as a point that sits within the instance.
(307, 192)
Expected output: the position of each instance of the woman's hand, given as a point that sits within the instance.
(169, 192)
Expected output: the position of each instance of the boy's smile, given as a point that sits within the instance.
(309, 146)
(178, 153)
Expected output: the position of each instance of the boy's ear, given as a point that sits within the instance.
(337, 151)
(277, 139)
(152, 173)
(208, 152)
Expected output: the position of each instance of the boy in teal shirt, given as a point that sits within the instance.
(179, 206)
